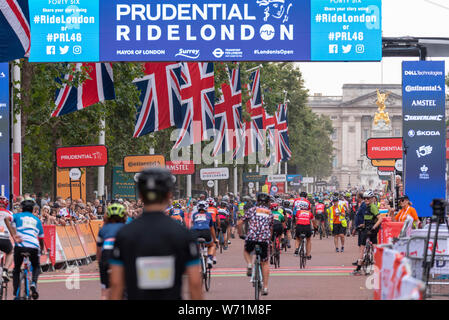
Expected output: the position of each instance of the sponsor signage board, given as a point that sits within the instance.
(277, 178)
(138, 163)
(123, 184)
(205, 30)
(423, 102)
(386, 169)
(83, 156)
(384, 148)
(307, 180)
(294, 177)
(63, 184)
(253, 177)
(5, 132)
(383, 163)
(180, 167)
(214, 174)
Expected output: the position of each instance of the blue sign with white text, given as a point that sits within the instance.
(5, 145)
(346, 30)
(424, 131)
(204, 30)
(64, 30)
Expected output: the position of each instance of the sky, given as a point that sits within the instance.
(400, 18)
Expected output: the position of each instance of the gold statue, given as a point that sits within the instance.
(381, 114)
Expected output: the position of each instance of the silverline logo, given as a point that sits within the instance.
(423, 118)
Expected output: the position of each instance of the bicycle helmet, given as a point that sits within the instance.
(263, 198)
(27, 205)
(286, 203)
(225, 198)
(274, 206)
(177, 206)
(368, 194)
(4, 201)
(202, 206)
(116, 209)
(335, 199)
(154, 184)
(303, 194)
(223, 204)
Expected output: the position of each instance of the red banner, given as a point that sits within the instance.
(389, 230)
(180, 167)
(86, 156)
(386, 169)
(16, 174)
(384, 148)
(50, 241)
(447, 149)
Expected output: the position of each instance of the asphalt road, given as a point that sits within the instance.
(326, 276)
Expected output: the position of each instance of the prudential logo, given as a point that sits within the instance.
(190, 53)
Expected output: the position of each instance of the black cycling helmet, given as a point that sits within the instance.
(154, 184)
(303, 194)
(223, 204)
(286, 204)
(263, 198)
(27, 205)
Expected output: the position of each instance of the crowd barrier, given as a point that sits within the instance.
(388, 231)
(70, 243)
(393, 277)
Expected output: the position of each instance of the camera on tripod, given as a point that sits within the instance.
(439, 208)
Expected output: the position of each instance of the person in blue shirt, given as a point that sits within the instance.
(31, 241)
(177, 213)
(115, 220)
(203, 227)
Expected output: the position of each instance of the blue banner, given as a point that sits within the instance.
(424, 131)
(205, 30)
(346, 30)
(5, 145)
(64, 30)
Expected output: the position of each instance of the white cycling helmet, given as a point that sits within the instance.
(368, 194)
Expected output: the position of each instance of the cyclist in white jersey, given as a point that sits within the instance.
(6, 231)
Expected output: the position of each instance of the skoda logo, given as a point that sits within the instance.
(218, 53)
(411, 133)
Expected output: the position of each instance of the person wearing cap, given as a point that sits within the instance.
(151, 254)
(406, 210)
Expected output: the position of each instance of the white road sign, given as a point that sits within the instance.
(214, 174)
(75, 174)
(277, 178)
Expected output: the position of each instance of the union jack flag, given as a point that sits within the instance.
(228, 116)
(15, 34)
(270, 125)
(98, 88)
(160, 95)
(196, 119)
(277, 127)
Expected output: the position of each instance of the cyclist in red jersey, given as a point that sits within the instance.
(304, 220)
(320, 213)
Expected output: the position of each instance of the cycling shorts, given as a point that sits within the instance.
(103, 265)
(224, 224)
(363, 236)
(205, 234)
(278, 229)
(320, 217)
(306, 229)
(5, 246)
(250, 246)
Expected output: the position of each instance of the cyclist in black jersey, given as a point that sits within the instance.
(152, 253)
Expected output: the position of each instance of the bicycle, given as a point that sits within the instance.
(302, 251)
(205, 271)
(26, 278)
(3, 283)
(276, 255)
(221, 241)
(256, 276)
(368, 258)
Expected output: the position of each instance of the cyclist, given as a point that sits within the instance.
(368, 227)
(152, 253)
(212, 209)
(176, 213)
(320, 214)
(337, 223)
(279, 224)
(114, 221)
(304, 219)
(224, 217)
(288, 214)
(203, 227)
(30, 230)
(6, 229)
(302, 202)
(260, 230)
(230, 209)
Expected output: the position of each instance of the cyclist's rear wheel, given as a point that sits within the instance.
(24, 288)
(302, 256)
(206, 279)
(257, 282)
(368, 262)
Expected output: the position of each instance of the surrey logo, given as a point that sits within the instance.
(278, 9)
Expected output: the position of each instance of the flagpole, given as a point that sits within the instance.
(101, 141)
(255, 68)
(17, 126)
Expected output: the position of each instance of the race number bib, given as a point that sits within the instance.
(155, 273)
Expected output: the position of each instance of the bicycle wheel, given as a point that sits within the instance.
(4, 291)
(368, 261)
(221, 241)
(256, 281)
(206, 279)
(302, 256)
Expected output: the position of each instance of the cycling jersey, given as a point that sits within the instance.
(213, 211)
(278, 217)
(201, 221)
(260, 221)
(302, 204)
(4, 214)
(320, 208)
(29, 228)
(177, 215)
(241, 209)
(223, 213)
(303, 217)
(106, 235)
